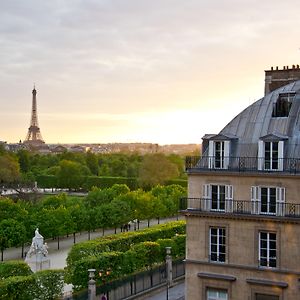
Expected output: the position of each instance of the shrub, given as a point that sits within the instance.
(43, 285)
(137, 251)
(14, 268)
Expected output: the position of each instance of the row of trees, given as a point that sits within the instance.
(61, 215)
(70, 169)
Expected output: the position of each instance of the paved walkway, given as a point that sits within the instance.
(58, 257)
(174, 293)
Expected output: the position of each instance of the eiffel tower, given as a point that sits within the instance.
(34, 137)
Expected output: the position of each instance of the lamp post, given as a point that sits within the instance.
(92, 285)
(168, 269)
(103, 276)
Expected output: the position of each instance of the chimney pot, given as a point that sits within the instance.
(276, 67)
(271, 68)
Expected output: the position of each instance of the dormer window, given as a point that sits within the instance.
(219, 154)
(283, 105)
(270, 153)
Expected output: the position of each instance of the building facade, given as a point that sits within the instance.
(243, 205)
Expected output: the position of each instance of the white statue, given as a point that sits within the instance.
(37, 256)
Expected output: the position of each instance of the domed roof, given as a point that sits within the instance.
(274, 117)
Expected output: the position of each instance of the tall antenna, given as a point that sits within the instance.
(34, 136)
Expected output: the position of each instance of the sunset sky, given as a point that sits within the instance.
(164, 71)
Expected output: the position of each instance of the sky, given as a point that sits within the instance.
(160, 71)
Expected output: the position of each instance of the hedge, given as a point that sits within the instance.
(14, 268)
(181, 182)
(139, 257)
(43, 285)
(51, 181)
(108, 181)
(47, 181)
(123, 241)
(135, 253)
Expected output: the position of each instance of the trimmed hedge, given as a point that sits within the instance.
(51, 181)
(181, 182)
(135, 253)
(47, 181)
(138, 258)
(123, 241)
(43, 285)
(14, 268)
(104, 182)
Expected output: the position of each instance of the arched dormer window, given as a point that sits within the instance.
(271, 152)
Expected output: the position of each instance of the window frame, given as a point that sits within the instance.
(208, 289)
(270, 155)
(221, 232)
(218, 157)
(268, 249)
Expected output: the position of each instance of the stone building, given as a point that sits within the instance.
(243, 206)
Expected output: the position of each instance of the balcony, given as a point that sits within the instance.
(242, 164)
(240, 207)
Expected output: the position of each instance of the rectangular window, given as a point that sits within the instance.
(271, 156)
(283, 105)
(217, 248)
(267, 249)
(218, 197)
(219, 155)
(266, 297)
(215, 294)
(268, 200)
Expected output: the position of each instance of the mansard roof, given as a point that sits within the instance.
(257, 122)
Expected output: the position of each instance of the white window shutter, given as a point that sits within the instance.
(228, 198)
(211, 154)
(261, 155)
(280, 155)
(255, 199)
(280, 201)
(206, 195)
(226, 154)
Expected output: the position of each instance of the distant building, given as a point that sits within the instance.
(243, 206)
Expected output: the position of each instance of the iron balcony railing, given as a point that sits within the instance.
(242, 164)
(290, 210)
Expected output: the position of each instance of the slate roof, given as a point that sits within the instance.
(256, 123)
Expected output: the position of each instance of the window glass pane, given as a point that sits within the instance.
(266, 297)
(214, 294)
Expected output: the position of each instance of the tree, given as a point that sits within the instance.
(71, 174)
(156, 169)
(12, 234)
(92, 162)
(23, 157)
(9, 169)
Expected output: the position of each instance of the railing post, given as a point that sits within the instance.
(92, 285)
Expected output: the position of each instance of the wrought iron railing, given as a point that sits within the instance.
(242, 164)
(245, 207)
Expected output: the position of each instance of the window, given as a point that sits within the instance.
(218, 154)
(214, 294)
(270, 155)
(217, 197)
(283, 105)
(267, 249)
(266, 297)
(217, 248)
(268, 200)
